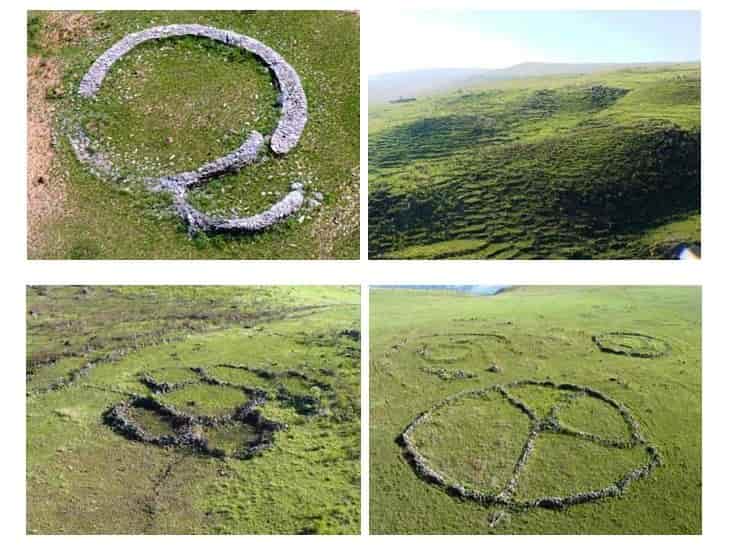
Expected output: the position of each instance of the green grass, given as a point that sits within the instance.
(605, 165)
(540, 400)
(205, 400)
(475, 441)
(554, 467)
(175, 104)
(142, 105)
(439, 250)
(239, 377)
(231, 438)
(591, 415)
(173, 375)
(549, 332)
(308, 482)
(152, 422)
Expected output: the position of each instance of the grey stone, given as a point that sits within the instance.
(291, 99)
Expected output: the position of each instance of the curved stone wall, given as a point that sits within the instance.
(285, 136)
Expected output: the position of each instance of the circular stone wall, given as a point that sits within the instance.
(285, 136)
(173, 417)
(631, 344)
(540, 423)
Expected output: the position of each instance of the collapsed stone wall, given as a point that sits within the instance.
(294, 115)
(650, 347)
(447, 374)
(187, 426)
(303, 404)
(506, 497)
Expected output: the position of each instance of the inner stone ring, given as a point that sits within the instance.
(285, 136)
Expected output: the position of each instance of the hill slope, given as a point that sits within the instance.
(390, 86)
(605, 165)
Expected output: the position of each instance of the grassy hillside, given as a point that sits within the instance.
(205, 351)
(175, 104)
(605, 165)
(427, 346)
(390, 86)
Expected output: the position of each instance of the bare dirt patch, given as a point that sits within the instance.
(332, 225)
(45, 194)
(47, 191)
(66, 27)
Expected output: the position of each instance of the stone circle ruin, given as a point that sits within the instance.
(440, 351)
(285, 137)
(540, 424)
(633, 344)
(153, 420)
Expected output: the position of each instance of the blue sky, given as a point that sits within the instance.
(399, 41)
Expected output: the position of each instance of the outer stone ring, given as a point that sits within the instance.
(285, 136)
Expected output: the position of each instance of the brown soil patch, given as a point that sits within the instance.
(342, 221)
(66, 27)
(45, 194)
(46, 191)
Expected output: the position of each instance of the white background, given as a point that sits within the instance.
(715, 273)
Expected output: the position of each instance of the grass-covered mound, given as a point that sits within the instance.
(596, 166)
(184, 410)
(562, 439)
(175, 104)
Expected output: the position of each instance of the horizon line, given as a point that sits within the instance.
(698, 61)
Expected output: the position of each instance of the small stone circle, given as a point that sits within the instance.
(463, 342)
(285, 136)
(648, 346)
(506, 497)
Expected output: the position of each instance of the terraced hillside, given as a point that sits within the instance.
(539, 410)
(193, 410)
(605, 165)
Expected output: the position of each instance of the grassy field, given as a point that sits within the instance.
(604, 165)
(176, 104)
(542, 334)
(90, 349)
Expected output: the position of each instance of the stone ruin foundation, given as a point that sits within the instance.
(648, 347)
(187, 429)
(284, 138)
(506, 497)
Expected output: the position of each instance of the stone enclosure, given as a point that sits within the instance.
(285, 137)
(549, 423)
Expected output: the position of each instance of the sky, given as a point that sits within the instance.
(403, 41)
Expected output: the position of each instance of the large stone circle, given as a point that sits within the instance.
(549, 423)
(285, 136)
